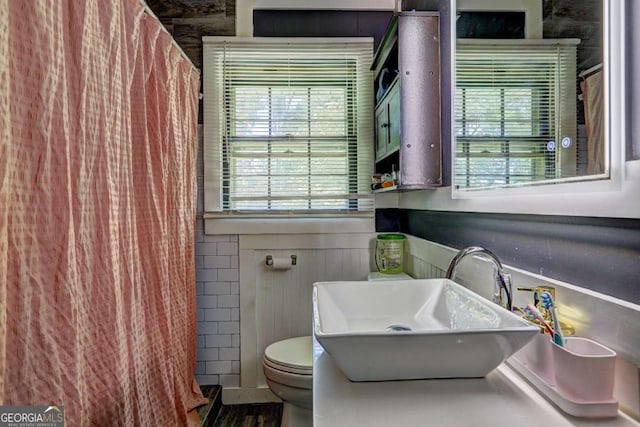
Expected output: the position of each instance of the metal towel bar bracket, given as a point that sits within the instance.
(269, 260)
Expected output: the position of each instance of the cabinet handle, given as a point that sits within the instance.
(384, 125)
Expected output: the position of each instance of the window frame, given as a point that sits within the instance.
(214, 186)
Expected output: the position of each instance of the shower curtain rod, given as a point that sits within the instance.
(148, 11)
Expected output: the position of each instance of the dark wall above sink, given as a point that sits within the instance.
(601, 254)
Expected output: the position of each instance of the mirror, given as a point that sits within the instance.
(530, 105)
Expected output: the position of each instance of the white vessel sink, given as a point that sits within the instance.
(414, 329)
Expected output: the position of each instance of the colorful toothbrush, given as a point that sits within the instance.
(547, 302)
(534, 313)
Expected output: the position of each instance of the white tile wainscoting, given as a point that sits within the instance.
(218, 300)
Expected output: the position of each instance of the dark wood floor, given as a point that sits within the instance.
(215, 414)
(210, 411)
(256, 415)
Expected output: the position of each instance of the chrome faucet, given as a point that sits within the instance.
(501, 280)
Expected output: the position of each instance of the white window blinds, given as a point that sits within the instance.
(515, 103)
(288, 126)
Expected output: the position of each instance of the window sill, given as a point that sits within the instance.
(287, 225)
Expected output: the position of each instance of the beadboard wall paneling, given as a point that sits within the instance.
(276, 304)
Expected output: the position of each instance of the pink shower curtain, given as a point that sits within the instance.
(98, 116)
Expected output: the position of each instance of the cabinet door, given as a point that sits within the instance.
(382, 130)
(393, 108)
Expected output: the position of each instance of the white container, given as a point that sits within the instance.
(584, 369)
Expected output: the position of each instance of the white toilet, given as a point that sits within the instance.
(288, 369)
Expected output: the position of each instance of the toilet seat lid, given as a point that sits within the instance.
(291, 353)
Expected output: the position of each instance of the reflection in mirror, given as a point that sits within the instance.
(529, 109)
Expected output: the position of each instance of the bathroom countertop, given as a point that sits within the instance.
(503, 398)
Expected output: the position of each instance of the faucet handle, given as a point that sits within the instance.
(503, 290)
(537, 291)
(508, 284)
(540, 289)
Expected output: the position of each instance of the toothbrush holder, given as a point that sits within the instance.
(539, 357)
(584, 369)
